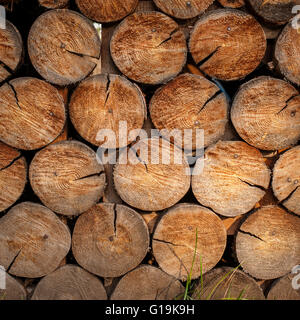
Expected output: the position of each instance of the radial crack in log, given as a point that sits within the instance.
(169, 38)
(289, 196)
(253, 185)
(11, 163)
(13, 260)
(251, 235)
(287, 102)
(115, 218)
(15, 94)
(170, 243)
(210, 99)
(98, 174)
(6, 67)
(200, 63)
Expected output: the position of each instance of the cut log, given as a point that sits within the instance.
(110, 240)
(268, 243)
(33, 240)
(266, 113)
(103, 101)
(14, 289)
(229, 284)
(149, 47)
(276, 12)
(286, 179)
(147, 283)
(32, 113)
(69, 282)
(282, 289)
(183, 9)
(63, 46)
(287, 52)
(235, 4)
(190, 102)
(54, 4)
(227, 44)
(13, 175)
(67, 177)
(174, 241)
(233, 179)
(11, 50)
(106, 10)
(147, 181)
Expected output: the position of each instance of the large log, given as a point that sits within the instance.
(145, 182)
(64, 46)
(54, 4)
(227, 44)
(190, 102)
(149, 47)
(268, 243)
(110, 240)
(11, 50)
(67, 177)
(174, 241)
(33, 240)
(14, 289)
(69, 282)
(13, 175)
(282, 289)
(103, 101)
(106, 10)
(266, 113)
(32, 113)
(233, 179)
(286, 179)
(147, 283)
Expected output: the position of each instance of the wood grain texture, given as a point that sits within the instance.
(106, 10)
(67, 177)
(13, 175)
(190, 102)
(11, 50)
(147, 283)
(149, 47)
(266, 113)
(146, 182)
(69, 282)
(102, 102)
(282, 289)
(174, 240)
(233, 179)
(183, 9)
(235, 4)
(227, 44)
(33, 240)
(63, 46)
(268, 243)
(235, 284)
(287, 52)
(54, 4)
(32, 113)
(110, 240)
(14, 289)
(286, 179)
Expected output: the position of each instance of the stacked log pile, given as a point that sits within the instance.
(72, 227)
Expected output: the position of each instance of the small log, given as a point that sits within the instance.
(54, 4)
(14, 289)
(11, 51)
(32, 113)
(147, 283)
(70, 282)
(234, 178)
(67, 177)
(268, 243)
(174, 241)
(277, 12)
(13, 175)
(110, 240)
(183, 9)
(107, 10)
(152, 185)
(227, 44)
(286, 179)
(63, 46)
(190, 102)
(287, 53)
(149, 47)
(235, 4)
(266, 113)
(33, 240)
(229, 284)
(282, 289)
(103, 101)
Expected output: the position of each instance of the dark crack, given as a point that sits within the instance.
(169, 38)
(6, 67)
(90, 175)
(140, 160)
(200, 63)
(287, 102)
(82, 55)
(13, 261)
(15, 94)
(169, 243)
(253, 185)
(289, 196)
(11, 163)
(251, 234)
(215, 95)
(107, 89)
(115, 218)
